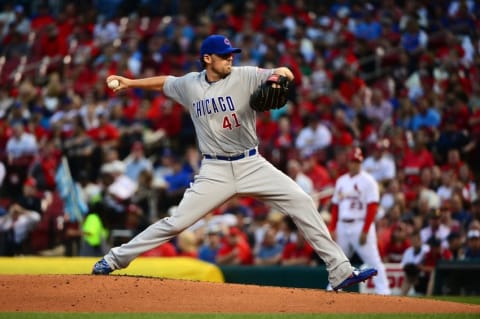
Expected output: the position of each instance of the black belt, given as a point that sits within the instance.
(350, 220)
(230, 158)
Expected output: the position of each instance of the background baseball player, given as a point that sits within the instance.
(221, 101)
(354, 206)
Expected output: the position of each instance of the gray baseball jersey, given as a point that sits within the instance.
(224, 122)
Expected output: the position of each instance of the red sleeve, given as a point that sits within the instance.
(371, 212)
(245, 253)
(334, 216)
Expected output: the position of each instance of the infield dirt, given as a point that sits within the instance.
(87, 293)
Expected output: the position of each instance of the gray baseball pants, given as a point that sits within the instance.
(219, 180)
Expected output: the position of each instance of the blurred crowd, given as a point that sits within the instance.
(400, 79)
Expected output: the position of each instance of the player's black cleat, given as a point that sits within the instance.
(356, 277)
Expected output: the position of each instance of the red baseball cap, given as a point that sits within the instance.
(355, 155)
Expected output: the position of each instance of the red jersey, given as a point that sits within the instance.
(104, 133)
(349, 88)
(394, 250)
(413, 162)
(244, 251)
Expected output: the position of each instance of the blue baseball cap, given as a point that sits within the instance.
(217, 44)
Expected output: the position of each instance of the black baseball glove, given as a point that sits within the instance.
(272, 94)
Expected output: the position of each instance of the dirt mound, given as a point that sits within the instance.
(86, 293)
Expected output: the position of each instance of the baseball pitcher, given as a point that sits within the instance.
(222, 101)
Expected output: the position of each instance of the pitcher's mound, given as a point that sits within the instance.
(86, 293)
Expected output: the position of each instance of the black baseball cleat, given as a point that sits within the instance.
(356, 277)
(101, 267)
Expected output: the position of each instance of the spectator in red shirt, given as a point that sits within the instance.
(44, 167)
(343, 130)
(416, 158)
(351, 85)
(285, 136)
(105, 134)
(235, 249)
(65, 22)
(456, 108)
(451, 45)
(454, 162)
(50, 44)
(42, 18)
(298, 253)
(399, 242)
(169, 117)
(291, 60)
(316, 171)
(319, 175)
(387, 225)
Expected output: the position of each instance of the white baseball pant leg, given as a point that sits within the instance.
(348, 235)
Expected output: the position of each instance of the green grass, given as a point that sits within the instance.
(229, 316)
(475, 300)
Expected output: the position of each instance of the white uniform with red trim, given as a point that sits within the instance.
(352, 195)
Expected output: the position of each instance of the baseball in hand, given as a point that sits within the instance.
(113, 84)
